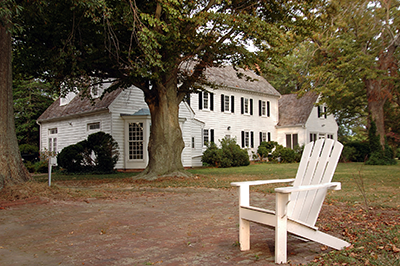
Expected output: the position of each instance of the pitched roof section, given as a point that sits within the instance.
(227, 76)
(294, 111)
(78, 105)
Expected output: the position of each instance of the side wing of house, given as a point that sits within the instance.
(57, 134)
(320, 125)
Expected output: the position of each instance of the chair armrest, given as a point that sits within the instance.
(261, 182)
(333, 185)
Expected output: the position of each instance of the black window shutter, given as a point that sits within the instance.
(252, 139)
(268, 109)
(232, 104)
(222, 102)
(242, 105)
(251, 106)
(211, 101)
(269, 136)
(325, 111)
(242, 138)
(212, 135)
(259, 108)
(319, 111)
(260, 137)
(200, 100)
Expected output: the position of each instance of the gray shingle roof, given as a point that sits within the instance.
(220, 75)
(294, 111)
(227, 76)
(78, 105)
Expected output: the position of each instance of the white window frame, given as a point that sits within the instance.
(138, 150)
(206, 136)
(93, 126)
(206, 101)
(227, 103)
(246, 106)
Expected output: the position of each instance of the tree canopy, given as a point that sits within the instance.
(161, 47)
(353, 60)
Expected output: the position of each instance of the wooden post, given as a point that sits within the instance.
(282, 200)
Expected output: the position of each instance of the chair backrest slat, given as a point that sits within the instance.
(317, 166)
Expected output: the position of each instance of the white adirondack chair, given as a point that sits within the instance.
(298, 206)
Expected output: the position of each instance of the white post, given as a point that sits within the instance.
(51, 162)
(282, 200)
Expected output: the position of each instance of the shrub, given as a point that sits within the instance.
(266, 148)
(72, 158)
(355, 151)
(212, 155)
(99, 154)
(229, 155)
(284, 155)
(29, 152)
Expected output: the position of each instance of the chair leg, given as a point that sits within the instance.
(244, 234)
(282, 200)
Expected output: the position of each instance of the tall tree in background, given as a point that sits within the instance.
(353, 60)
(357, 55)
(12, 170)
(162, 47)
(31, 99)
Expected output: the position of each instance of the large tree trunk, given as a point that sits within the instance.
(166, 142)
(12, 170)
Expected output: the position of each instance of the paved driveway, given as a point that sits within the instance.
(142, 227)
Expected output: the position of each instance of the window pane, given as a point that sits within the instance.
(205, 137)
(205, 99)
(263, 107)
(226, 103)
(246, 106)
(288, 141)
(135, 141)
(295, 140)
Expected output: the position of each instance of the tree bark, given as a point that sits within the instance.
(166, 142)
(12, 170)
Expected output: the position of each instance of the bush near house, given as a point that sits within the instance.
(229, 155)
(275, 152)
(98, 154)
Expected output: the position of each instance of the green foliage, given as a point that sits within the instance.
(27, 148)
(356, 151)
(212, 155)
(72, 158)
(285, 155)
(229, 155)
(378, 155)
(99, 153)
(266, 148)
(105, 150)
(31, 99)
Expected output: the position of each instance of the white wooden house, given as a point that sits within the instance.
(248, 109)
(121, 113)
(301, 120)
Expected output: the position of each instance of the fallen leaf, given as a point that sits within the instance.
(1, 247)
(395, 249)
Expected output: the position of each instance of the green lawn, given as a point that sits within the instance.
(381, 184)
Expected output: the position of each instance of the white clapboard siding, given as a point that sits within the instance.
(72, 130)
(232, 124)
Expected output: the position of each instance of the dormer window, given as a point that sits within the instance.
(96, 91)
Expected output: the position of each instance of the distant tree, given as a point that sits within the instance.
(162, 47)
(31, 99)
